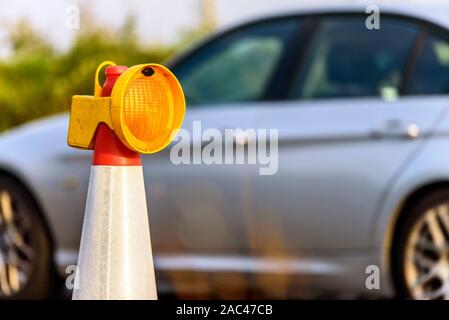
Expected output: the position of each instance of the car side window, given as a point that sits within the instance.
(345, 59)
(236, 67)
(431, 74)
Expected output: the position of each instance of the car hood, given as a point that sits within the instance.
(35, 129)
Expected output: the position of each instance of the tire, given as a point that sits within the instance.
(27, 271)
(420, 254)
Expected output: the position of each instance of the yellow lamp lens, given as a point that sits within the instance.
(147, 106)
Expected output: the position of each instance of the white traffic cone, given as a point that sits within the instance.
(115, 260)
(136, 111)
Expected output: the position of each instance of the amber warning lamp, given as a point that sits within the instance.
(145, 108)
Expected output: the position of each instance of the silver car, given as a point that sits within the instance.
(359, 205)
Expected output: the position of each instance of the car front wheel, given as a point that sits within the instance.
(25, 268)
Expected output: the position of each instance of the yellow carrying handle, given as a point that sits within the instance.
(87, 112)
(97, 86)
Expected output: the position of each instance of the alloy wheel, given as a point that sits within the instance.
(16, 253)
(426, 265)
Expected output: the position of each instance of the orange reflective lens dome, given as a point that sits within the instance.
(148, 104)
(145, 108)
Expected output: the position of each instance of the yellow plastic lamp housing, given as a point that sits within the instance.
(145, 109)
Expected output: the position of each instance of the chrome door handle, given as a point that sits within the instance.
(397, 129)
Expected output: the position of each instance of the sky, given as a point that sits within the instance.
(158, 21)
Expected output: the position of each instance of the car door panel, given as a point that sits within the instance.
(334, 166)
(200, 209)
(196, 208)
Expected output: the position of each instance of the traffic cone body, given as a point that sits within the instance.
(136, 111)
(115, 260)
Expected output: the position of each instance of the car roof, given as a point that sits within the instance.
(436, 12)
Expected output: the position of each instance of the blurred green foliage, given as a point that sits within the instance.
(37, 80)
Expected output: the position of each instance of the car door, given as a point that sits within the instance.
(197, 210)
(344, 136)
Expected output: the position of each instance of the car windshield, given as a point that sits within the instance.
(236, 67)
